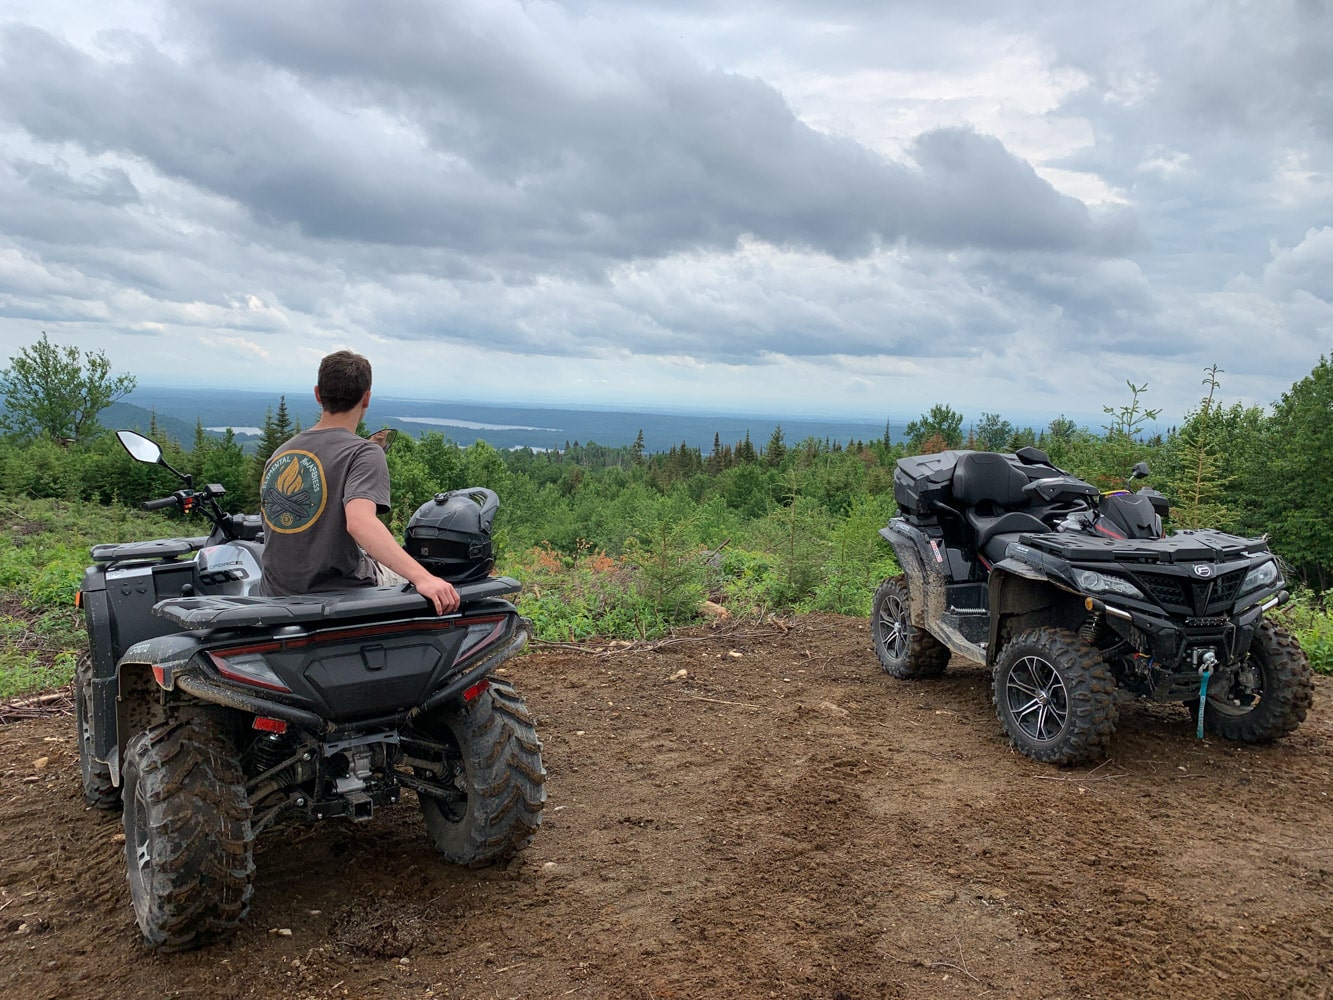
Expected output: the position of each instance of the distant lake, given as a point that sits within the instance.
(472, 425)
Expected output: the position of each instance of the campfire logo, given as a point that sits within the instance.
(292, 494)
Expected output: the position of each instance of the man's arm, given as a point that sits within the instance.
(376, 541)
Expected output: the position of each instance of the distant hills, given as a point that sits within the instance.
(178, 410)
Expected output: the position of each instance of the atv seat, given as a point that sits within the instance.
(985, 479)
(995, 533)
(988, 487)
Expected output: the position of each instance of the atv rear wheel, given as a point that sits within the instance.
(904, 651)
(98, 789)
(1055, 696)
(1267, 697)
(188, 841)
(494, 768)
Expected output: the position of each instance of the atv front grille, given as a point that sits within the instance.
(1166, 590)
(1205, 598)
(1226, 589)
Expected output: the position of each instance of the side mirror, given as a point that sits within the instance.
(141, 449)
(1139, 471)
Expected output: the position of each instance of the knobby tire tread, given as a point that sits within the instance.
(1288, 691)
(507, 782)
(1090, 688)
(201, 878)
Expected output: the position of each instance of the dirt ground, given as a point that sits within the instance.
(753, 812)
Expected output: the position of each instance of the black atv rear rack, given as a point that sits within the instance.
(220, 611)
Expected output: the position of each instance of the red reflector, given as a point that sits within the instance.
(78, 599)
(160, 675)
(476, 690)
(266, 725)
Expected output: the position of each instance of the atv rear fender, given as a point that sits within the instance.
(925, 566)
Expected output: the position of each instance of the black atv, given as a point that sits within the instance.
(1067, 594)
(212, 714)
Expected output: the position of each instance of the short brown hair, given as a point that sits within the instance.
(344, 378)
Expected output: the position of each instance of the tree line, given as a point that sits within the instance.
(783, 524)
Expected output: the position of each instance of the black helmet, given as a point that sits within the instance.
(450, 534)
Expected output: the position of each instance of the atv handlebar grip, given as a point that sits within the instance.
(159, 504)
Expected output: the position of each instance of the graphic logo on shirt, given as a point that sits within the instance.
(292, 494)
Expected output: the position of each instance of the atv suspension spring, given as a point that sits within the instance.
(1091, 629)
(268, 751)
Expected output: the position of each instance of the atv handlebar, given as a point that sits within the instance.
(170, 501)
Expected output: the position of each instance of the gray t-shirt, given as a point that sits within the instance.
(302, 493)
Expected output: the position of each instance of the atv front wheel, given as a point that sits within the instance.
(188, 841)
(1267, 697)
(494, 774)
(904, 651)
(98, 789)
(1055, 696)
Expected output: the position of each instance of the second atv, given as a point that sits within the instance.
(1068, 594)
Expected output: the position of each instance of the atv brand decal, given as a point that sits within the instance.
(292, 494)
(935, 547)
(1202, 570)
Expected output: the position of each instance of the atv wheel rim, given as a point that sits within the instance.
(893, 627)
(1037, 699)
(140, 852)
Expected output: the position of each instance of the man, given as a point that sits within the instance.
(320, 496)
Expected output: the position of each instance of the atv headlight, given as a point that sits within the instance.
(1101, 583)
(1261, 576)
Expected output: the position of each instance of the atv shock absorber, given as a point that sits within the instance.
(1091, 629)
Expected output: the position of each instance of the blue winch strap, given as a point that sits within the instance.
(1203, 699)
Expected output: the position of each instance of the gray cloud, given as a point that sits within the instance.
(454, 135)
(547, 182)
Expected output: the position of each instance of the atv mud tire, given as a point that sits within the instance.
(1274, 701)
(1055, 696)
(98, 789)
(188, 839)
(497, 774)
(904, 651)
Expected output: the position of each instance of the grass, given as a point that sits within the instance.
(43, 551)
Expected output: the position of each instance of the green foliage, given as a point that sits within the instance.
(992, 432)
(1310, 618)
(936, 431)
(57, 392)
(1199, 484)
(616, 542)
(43, 551)
(1296, 499)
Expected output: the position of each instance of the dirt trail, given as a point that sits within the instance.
(784, 820)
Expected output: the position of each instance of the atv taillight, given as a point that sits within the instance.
(248, 668)
(475, 691)
(479, 635)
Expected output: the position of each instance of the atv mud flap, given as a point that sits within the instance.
(923, 564)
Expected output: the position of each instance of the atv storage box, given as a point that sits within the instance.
(922, 481)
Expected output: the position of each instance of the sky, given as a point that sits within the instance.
(799, 207)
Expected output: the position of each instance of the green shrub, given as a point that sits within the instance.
(1311, 622)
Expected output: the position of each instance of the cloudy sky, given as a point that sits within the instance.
(854, 207)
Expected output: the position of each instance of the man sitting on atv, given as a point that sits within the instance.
(321, 494)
